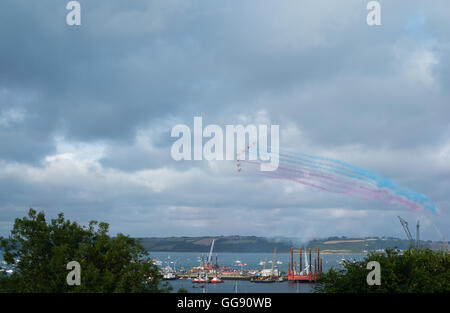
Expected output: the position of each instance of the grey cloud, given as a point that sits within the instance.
(136, 69)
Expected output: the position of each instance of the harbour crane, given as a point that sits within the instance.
(408, 233)
(417, 236)
(264, 270)
(273, 261)
(210, 251)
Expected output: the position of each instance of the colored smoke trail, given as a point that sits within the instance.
(335, 176)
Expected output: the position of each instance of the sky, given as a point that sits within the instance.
(86, 112)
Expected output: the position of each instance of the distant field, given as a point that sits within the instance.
(331, 242)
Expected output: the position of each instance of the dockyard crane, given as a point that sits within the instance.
(264, 270)
(210, 251)
(273, 262)
(408, 233)
(417, 236)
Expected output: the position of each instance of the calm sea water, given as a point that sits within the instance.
(243, 286)
(186, 260)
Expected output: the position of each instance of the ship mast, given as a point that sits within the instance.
(273, 261)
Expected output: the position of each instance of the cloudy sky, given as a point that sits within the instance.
(86, 112)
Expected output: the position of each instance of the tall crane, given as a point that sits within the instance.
(264, 270)
(417, 236)
(273, 261)
(408, 233)
(210, 251)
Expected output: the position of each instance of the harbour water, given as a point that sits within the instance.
(242, 261)
(243, 286)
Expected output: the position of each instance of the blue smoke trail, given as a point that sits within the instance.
(345, 171)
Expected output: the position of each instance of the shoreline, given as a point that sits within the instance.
(328, 252)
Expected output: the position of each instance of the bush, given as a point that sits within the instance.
(42, 249)
(414, 271)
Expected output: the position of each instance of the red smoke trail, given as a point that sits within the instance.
(343, 187)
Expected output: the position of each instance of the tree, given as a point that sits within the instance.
(414, 271)
(40, 251)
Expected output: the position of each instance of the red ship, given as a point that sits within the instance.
(305, 275)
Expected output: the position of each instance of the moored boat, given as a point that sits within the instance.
(216, 280)
(169, 276)
(198, 280)
(201, 280)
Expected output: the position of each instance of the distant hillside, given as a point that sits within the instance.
(335, 245)
(361, 245)
(222, 244)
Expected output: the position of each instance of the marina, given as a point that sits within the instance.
(246, 272)
(239, 278)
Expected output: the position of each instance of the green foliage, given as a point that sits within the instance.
(414, 271)
(118, 264)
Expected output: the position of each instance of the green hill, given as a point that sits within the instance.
(222, 244)
(336, 245)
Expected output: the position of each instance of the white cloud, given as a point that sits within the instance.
(418, 64)
(336, 87)
(11, 116)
